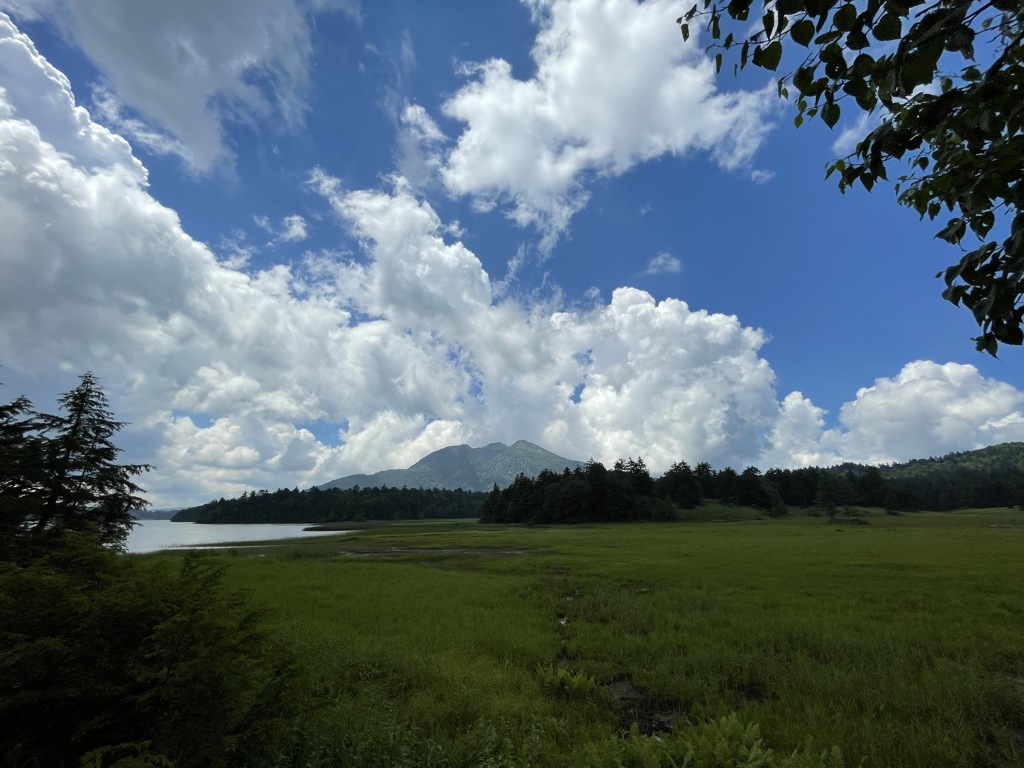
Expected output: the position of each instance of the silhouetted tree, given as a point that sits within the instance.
(835, 492)
(84, 485)
(679, 485)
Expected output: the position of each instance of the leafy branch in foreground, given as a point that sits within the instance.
(952, 118)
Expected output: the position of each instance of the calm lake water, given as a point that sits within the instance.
(153, 535)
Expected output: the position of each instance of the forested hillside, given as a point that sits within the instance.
(991, 477)
(334, 504)
(987, 477)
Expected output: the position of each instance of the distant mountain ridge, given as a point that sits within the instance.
(460, 466)
(1004, 457)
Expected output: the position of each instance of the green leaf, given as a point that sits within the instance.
(833, 53)
(718, 63)
(803, 78)
(983, 223)
(856, 87)
(961, 40)
(954, 293)
(685, 29)
(987, 343)
(828, 37)
(838, 165)
(920, 68)
(818, 87)
(845, 17)
(739, 9)
(857, 40)
(772, 55)
(819, 8)
(867, 100)
(1011, 334)
(889, 27)
(802, 32)
(830, 114)
(863, 65)
(768, 22)
(954, 231)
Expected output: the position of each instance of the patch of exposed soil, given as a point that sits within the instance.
(631, 705)
(752, 692)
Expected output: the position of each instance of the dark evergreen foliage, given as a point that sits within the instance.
(591, 493)
(61, 471)
(754, 490)
(103, 657)
(990, 477)
(680, 486)
(106, 660)
(334, 505)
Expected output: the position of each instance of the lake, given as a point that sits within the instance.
(154, 535)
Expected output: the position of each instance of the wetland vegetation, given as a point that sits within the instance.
(897, 642)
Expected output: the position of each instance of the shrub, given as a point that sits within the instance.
(110, 659)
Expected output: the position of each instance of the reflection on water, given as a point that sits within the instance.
(153, 535)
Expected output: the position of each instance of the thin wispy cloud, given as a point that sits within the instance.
(664, 263)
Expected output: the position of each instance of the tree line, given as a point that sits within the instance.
(328, 505)
(593, 493)
(993, 477)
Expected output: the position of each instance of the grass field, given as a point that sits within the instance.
(898, 641)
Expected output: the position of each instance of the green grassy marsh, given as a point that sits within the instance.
(898, 641)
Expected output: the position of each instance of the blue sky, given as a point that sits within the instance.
(298, 239)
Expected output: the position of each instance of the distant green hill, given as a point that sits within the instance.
(985, 477)
(460, 466)
(1006, 457)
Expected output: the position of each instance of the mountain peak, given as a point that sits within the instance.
(462, 466)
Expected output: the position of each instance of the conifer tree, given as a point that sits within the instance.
(83, 485)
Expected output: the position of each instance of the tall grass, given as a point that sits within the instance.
(899, 642)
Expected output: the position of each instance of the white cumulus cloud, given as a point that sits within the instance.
(293, 375)
(614, 86)
(929, 410)
(187, 67)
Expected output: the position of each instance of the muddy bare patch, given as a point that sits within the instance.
(631, 705)
(752, 692)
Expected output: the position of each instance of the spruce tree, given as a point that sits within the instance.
(83, 484)
(21, 466)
